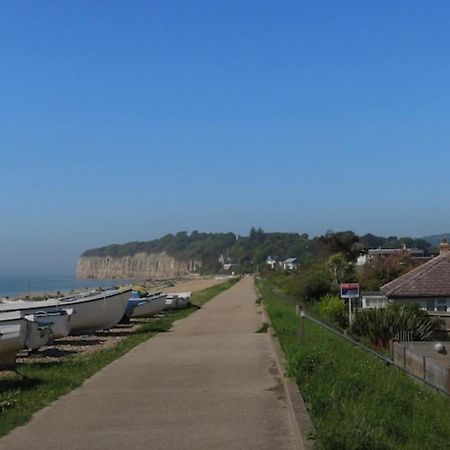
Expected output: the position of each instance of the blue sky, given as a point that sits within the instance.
(123, 121)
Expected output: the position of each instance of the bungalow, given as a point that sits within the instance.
(290, 264)
(427, 285)
(272, 262)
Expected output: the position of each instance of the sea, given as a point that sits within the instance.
(12, 286)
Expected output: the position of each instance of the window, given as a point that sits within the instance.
(430, 304)
(442, 304)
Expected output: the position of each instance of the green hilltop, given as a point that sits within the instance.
(252, 250)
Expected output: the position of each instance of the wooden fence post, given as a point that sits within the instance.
(302, 327)
(301, 315)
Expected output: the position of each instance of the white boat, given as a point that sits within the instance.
(18, 332)
(97, 312)
(59, 322)
(13, 332)
(184, 299)
(171, 302)
(37, 335)
(146, 306)
(94, 312)
(178, 300)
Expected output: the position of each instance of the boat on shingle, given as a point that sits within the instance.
(92, 312)
(13, 332)
(59, 322)
(178, 300)
(18, 332)
(146, 306)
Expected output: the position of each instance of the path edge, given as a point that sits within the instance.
(300, 420)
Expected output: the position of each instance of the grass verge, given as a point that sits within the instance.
(355, 401)
(21, 396)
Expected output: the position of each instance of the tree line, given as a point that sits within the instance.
(252, 250)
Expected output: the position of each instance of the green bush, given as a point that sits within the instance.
(381, 325)
(333, 309)
(310, 285)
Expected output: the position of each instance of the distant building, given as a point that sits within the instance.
(290, 264)
(273, 262)
(415, 253)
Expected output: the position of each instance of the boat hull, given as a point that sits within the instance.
(59, 322)
(182, 302)
(12, 340)
(13, 332)
(148, 308)
(99, 314)
(37, 336)
(178, 301)
(90, 314)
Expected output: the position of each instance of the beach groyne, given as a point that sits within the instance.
(139, 265)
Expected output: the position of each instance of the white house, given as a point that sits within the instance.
(290, 264)
(272, 262)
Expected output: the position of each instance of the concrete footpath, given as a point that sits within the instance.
(210, 383)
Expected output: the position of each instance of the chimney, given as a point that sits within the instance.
(444, 247)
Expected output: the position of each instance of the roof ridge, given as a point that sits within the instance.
(421, 271)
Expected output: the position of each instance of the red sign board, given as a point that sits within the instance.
(349, 290)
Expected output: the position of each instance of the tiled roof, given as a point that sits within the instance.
(431, 279)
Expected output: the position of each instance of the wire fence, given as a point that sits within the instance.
(305, 312)
(385, 359)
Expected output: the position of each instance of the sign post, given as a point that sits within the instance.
(350, 291)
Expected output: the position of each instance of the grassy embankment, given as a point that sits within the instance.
(21, 396)
(355, 400)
